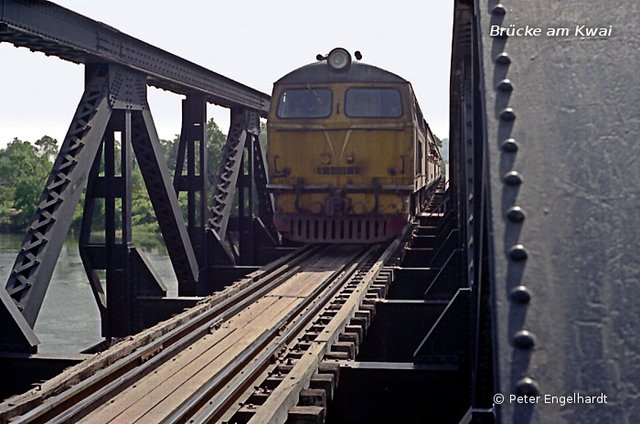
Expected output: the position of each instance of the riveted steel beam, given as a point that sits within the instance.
(114, 101)
(128, 274)
(49, 226)
(46, 27)
(235, 238)
(191, 173)
(229, 172)
(469, 176)
(265, 198)
(150, 158)
(119, 68)
(17, 334)
(562, 140)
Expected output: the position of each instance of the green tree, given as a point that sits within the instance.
(143, 217)
(215, 142)
(47, 147)
(23, 173)
(170, 150)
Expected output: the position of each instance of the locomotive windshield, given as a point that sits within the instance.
(305, 103)
(373, 103)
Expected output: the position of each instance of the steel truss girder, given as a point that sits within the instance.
(17, 334)
(191, 173)
(165, 202)
(562, 134)
(265, 198)
(54, 30)
(36, 260)
(469, 182)
(228, 174)
(108, 88)
(242, 176)
(128, 273)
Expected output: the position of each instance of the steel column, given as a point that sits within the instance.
(165, 202)
(192, 149)
(88, 253)
(38, 256)
(17, 334)
(470, 181)
(228, 174)
(264, 197)
(245, 206)
(562, 138)
(226, 182)
(115, 60)
(127, 274)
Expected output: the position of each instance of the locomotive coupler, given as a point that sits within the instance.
(336, 204)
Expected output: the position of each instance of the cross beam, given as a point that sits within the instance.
(56, 31)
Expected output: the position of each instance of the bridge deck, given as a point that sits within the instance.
(270, 347)
(158, 394)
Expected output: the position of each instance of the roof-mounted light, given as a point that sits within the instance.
(339, 59)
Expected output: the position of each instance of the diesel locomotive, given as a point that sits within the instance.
(350, 155)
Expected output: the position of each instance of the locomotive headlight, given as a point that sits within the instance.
(339, 59)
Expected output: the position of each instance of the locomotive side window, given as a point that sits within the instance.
(305, 103)
(373, 103)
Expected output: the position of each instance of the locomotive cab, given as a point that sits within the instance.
(346, 151)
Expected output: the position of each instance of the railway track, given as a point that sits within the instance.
(261, 352)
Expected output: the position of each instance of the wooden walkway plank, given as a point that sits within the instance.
(168, 377)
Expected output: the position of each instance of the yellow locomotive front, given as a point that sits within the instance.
(346, 152)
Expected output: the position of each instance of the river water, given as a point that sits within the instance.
(69, 321)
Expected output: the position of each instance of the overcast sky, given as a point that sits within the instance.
(253, 42)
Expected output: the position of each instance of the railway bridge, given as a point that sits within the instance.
(518, 280)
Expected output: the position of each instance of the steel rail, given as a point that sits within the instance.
(276, 407)
(56, 31)
(76, 401)
(259, 355)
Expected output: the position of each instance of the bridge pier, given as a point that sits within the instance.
(113, 127)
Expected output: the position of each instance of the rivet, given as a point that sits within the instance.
(521, 294)
(503, 59)
(524, 339)
(510, 145)
(499, 10)
(527, 387)
(507, 114)
(515, 214)
(505, 85)
(512, 178)
(518, 253)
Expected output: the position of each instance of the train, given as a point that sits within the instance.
(350, 155)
